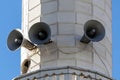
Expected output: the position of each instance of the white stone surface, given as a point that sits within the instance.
(99, 13)
(108, 10)
(66, 19)
(34, 13)
(65, 41)
(65, 62)
(34, 21)
(54, 30)
(99, 3)
(84, 64)
(33, 3)
(66, 5)
(82, 18)
(79, 30)
(83, 7)
(66, 29)
(50, 18)
(100, 49)
(51, 64)
(49, 7)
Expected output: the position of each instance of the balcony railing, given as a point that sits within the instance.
(64, 73)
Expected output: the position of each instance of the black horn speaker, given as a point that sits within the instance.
(93, 31)
(40, 33)
(16, 40)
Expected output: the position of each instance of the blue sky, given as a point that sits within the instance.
(10, 18)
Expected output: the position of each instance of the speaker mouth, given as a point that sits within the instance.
(15, 39)
(42, 35)
(91, 33)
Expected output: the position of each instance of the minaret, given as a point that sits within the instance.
(80, 41)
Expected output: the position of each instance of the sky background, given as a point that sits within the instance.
(10, 18)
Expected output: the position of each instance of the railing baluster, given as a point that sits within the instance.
(61, 77)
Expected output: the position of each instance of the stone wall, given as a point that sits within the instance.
(66, 19)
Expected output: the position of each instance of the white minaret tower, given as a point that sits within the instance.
(78, 44)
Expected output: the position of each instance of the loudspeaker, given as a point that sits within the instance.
(25, 65)
(40, 33)
(93, 31)
(16, 40)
